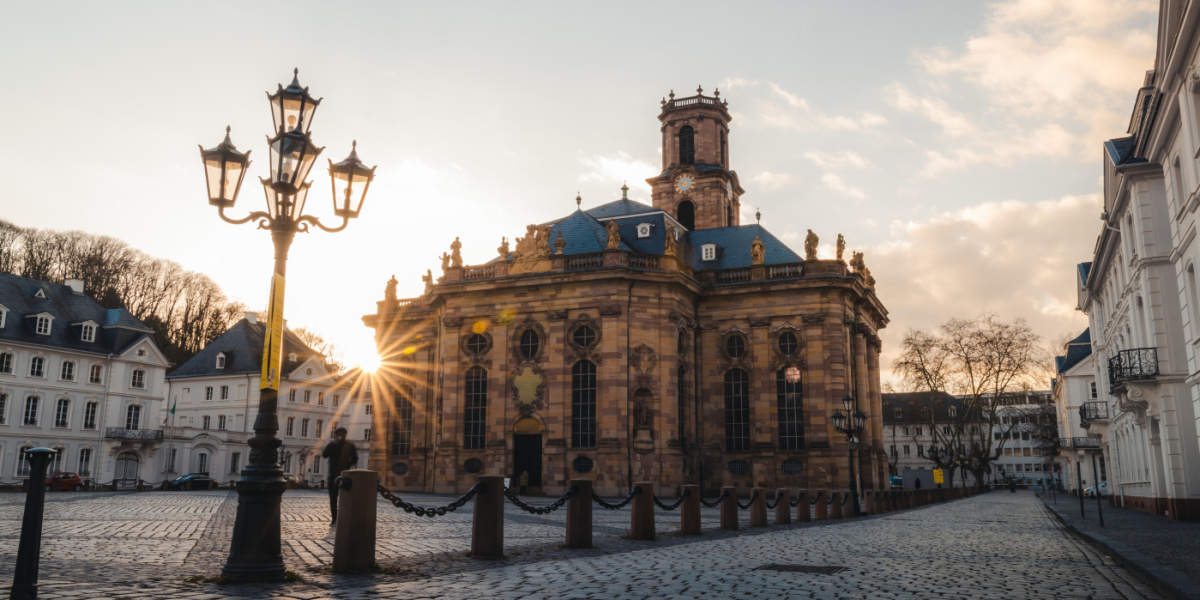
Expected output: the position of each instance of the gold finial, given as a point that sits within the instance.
(624, 191)
(559, 244)
(758, 216)
(716, 92)
(664, 102)
(699, 90)
(672, 95)
(578, 200)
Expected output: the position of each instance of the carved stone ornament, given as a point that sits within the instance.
(529, 387)
(643, 359)
(813, 318)
(841, 246)
(760, 321)
(559, 243)
(1133, 400)
(810, 245)
(708, 324)
(503, 249)
(614, 235)
(453, 322)
(533, 247)
(557, 315)
(669, 248)
(610, 310)
(758, 251)
(456, 253)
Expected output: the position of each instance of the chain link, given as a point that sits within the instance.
(540, 510)
(772, 505)
(813, 502)
(717, 502)
(753, 497)
(622, 504)
(674, 506)
(798, 500)
(429, 512)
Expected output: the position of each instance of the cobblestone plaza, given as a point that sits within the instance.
(149, 545)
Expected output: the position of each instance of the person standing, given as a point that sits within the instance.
(523, 482)
(341, 455)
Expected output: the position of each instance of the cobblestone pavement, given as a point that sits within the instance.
(147, 545)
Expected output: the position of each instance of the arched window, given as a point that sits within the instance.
(220, 360)
(724, 162)
(530, 344)
(737, 411)
(402, 422)
(133, 417)
(790, 398)
(475, 409)
(687, 145)
(729, 216)
(685, 213)
(583, 405)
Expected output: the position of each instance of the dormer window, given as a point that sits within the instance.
(3, 316)
(291, 357)
(643, 230)
(88, 333)
(43, 325)
(220, 360)
(708, 252)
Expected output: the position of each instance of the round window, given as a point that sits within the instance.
(530, 343)
(735, 346)
(788, 344)
(582, 464)
(473, 465)
(738, 467)
(477, 343)
(400, 469)
(585, 336)
(792, 467)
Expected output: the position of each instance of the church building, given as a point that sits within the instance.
(668, 343)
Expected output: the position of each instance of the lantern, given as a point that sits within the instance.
(224, 168)
(350, 179)
(292, 156)
(289, 206)
(292, 107)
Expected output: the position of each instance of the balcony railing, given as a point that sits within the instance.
(117, 433)
(1137, 363)
(643, 261)
(1093, 411)
(1079, 442)
(484, 272)
(785, 271)
(585, 261)
(733, 275)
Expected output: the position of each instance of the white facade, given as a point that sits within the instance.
(1074, 388)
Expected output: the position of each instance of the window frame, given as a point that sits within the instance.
(31, 408)
(62, 413)
(95, 374)
(7, 360)
(737, 410)
(66, 371)
(583, 404)
(43, 325)
(137, 379)
(475, 401)
(789, 402)
(90, 410)
(133, 417)
(40, 363)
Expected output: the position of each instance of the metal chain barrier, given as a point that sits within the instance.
(717, 502)
(772, 505)
(540, 510)
(622, 504)
(845, 497)
(753, 497)
(429, 512)
(674, 506)
(813, 502)
(798, 500)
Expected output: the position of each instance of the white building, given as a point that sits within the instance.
(79, 378)
(215, 396)
(1077, 401)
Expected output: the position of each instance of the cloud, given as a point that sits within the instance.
(783, 109)
(1011, 258)
(620, 168)
(1057, 77)
(837, 184)
(839, 160)
(769, 181)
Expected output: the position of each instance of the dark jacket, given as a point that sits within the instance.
(341, 456)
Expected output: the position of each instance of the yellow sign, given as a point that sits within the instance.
(937, 476)
(273, 340)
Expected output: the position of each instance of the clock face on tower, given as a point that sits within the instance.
(684, 184)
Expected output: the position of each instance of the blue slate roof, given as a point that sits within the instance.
(242, 345)
(1120, 151)
(734, 247)
(118, 329)
(582, 233)
(620, 208)
(1084, 270)
(911, 403)
(1077, 350)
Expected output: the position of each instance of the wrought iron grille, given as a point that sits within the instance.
(1136, 363)
(1093, 411)
(118, 433)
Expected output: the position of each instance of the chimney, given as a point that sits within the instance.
(76, 285)
(252, 317)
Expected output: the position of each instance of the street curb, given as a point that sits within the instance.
(1163, 579)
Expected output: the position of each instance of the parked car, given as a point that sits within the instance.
(1091, 492)
(63, 480)
(896, 482)
(193, 481)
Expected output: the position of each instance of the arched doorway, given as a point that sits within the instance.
(126, 474)
(527, 451)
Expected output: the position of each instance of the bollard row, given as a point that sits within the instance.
(715, 503)
(433, 511)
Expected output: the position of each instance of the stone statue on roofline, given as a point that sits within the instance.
(841, 246)
(758, 251)
(669, 248)
(389, 292)
(455, 253)
(427, 278)
(614, 235)
(503, 249)
(445, 262)
(559, 243)
(810, 245)
(856, 262)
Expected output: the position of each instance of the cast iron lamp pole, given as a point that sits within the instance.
(254, 553)
(852, 426)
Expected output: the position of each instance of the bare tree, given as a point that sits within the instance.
(331, 351)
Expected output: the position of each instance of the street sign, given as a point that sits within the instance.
(937, 476)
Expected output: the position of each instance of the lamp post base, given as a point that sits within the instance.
(255, 552)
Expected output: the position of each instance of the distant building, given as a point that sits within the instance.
(215, 396)
(1077, 402)
(907, 437)
(79, 378)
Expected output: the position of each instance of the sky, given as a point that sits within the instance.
(957, 144)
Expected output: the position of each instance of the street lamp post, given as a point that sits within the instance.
(254, 553)
(852, 426)
(963, 463)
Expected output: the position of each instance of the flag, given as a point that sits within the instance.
(171, 413)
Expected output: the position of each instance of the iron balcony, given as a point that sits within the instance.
(1079, 442)
(118, 433)
(1093, 411)
(1136, 363)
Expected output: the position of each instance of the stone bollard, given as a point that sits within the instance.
(354, 537)
(835, 505)
(868, 505)
(641, 518)
(783, 507)
(729, 508)
(579, 515)
(487, 524)
(821, 507)
(758, 507)
(689, 511)
(29, 548)
(803, 508)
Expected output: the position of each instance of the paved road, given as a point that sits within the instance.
(110, 545)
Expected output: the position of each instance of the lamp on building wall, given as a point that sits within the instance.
(852, 425)
(255, 550)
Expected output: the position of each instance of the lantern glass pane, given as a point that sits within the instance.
(291, 159)
(287, 110)
(212, 171)
(234, 171)
(272, 199)
(298, 201)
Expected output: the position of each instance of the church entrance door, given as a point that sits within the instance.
(527, 457)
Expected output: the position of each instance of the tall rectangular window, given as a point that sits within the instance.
(291, 426)
(320, 426)
(475, 409)
(737, 411)
(303, 427)
(207, 420)
(138, 379)
(68, 371)
(3, 409)
(23, 461)
(583, 405)
(307, 396)
(221, 422)
(402, 424)
(31, 410)
(172, 454)
(336, 400)
(224, 392)
(89, 332)
(133, 417)
(37, 366)
(320, 398)
(367, 435)
(43, 325)
(89, 415)
(6, 362)
(208, 393)
(235, 462)
(789, 397)
(94, 374)
(85, 462)
(291, 395)
(62, 412)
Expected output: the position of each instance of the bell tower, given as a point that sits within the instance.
(696, 185)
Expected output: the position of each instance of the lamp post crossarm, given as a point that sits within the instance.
(304, 221)
(263, 218)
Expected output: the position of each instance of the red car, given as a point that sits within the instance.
(63, 480)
